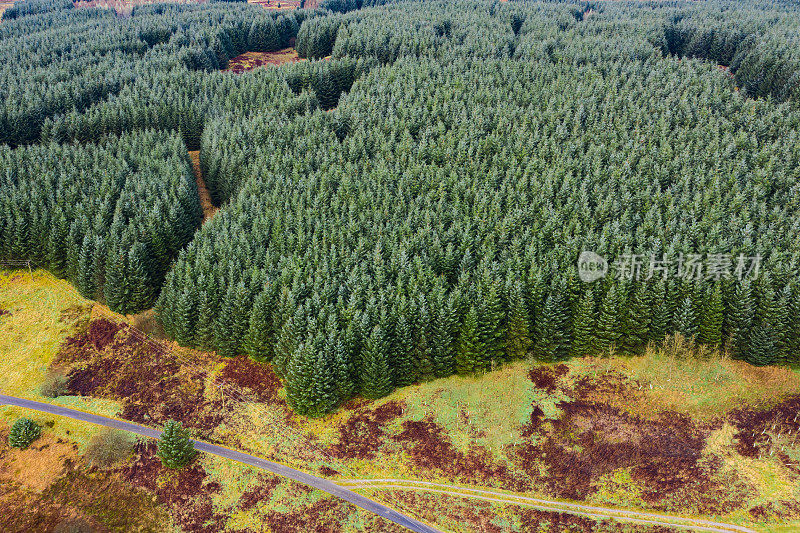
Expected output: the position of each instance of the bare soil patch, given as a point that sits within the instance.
(209, 209)
(251, 60)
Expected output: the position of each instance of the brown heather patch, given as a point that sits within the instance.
(185, 491)
(257, 377)
(432, 453)
(757, 428)
(108, 360)
(594, 437)
(545, 377)
(262, 490)
(362, 435)
(253, 60)
(323, 516)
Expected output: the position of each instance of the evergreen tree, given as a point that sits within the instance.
(86, 278)
(583, 342)
(259, 340)
(443, 345)
(404, 366)
(636, 320)
(517, 340)
(741, 320)
(175, 447)
(686, 318)
(761, 349)
(325, 389)
(23, 432)
(661, 313)
(710, 331)
(608, 322)
(377, 375)
(300, 379)
(553, 336)
(490, 329)
(470, 349)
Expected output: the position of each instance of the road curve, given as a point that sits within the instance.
(276, 468)
(640, 517)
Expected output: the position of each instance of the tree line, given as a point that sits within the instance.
(413, 206)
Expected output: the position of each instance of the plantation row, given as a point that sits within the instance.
(415, 205)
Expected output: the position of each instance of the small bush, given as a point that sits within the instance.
(54, 385)
(109, 447)
(23, 433)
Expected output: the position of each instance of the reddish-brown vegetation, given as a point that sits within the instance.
(284, 5)
(251, 60)
(109, 360)
(124, 7)
(258, 378)
(363, 434)
(186, 491)
(592, 439)
(757, 428)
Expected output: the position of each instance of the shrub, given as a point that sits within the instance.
(54, 385)
(23, 433)
(108, 447)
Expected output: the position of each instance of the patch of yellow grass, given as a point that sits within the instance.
(704, 383)
(37, 466)
(770, 479)
(44, 312)
(31, 335)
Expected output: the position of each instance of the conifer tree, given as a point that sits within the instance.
(553, 336)
(583, 341)
(686, 318)
(377, 375)
(741, 319)
(761, 349)
(661, 313)
(517, 334)
(490, 329)
(23, 433)
(710, 331)
(443, 344)
(608, 322)
(470, 348)
(175, 447)
(404, 371)
(300, 379)
(259, 340)
(325, 391)
(636, 320)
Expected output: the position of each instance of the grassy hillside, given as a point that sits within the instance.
(671, 430)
